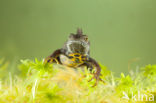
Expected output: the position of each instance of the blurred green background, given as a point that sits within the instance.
(119, 30)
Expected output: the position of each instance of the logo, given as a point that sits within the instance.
(138, 96)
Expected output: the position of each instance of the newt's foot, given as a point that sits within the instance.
(97, 78)
(51, 60)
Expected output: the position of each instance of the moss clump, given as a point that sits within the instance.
(46, 83)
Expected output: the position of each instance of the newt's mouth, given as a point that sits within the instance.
(77, 47)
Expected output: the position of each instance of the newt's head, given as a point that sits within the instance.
(78, 43)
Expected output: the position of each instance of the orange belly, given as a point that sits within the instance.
(74, 60)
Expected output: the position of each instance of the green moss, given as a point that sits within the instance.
(48, 83)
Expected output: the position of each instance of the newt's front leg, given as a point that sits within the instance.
(53, 58)
(97, 72)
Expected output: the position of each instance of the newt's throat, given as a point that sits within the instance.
(77, 47)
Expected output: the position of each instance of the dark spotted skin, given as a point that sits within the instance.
(75, 53)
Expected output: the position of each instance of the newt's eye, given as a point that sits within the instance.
(86, 39)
